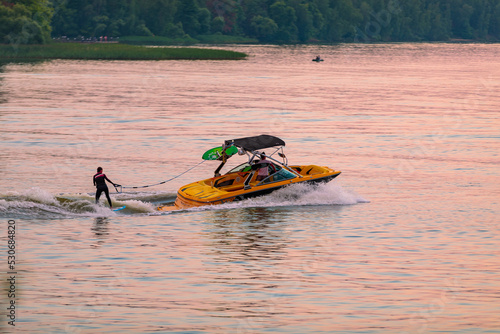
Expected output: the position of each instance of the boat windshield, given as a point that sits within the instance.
(244, 167)
(280, 175)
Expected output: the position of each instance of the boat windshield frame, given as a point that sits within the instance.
(240, 168)
(254, 156)
(253, 148)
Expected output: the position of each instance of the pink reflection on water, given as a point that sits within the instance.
(414, 129)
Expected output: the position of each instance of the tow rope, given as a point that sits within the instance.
(156, 184)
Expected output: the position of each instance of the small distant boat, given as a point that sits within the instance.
(243, 181)
(317, 59)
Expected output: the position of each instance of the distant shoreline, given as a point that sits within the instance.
(111, 51)
(232, 40)
(143, 49)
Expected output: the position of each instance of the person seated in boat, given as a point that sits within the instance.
(318, 58)
(264, 167)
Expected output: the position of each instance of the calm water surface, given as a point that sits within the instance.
(405, 240)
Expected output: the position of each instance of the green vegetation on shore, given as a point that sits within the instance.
(111, 51)
(265, 21)
(282, 21)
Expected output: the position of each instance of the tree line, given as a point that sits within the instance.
(269, 21)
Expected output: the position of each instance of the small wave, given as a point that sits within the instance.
(37, 203)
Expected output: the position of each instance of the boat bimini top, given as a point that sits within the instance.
(252, 147)
(255, 143)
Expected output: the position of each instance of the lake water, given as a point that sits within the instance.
(405, 240)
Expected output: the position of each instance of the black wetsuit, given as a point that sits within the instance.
(100, 183)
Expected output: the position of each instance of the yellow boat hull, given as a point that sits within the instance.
(232, 187)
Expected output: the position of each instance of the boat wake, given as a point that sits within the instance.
(301, 194)
(36, 203)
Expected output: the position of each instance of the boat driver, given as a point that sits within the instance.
(263, 170)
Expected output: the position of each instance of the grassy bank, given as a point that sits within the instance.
(109, 51)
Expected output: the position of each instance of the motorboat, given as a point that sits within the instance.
(260, 175)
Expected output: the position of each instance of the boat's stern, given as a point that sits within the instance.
(200, 193)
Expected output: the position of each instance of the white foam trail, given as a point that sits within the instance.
(298, 195)
(136, 206)
(3, 205)
(323, 194)
(40, 204)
